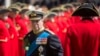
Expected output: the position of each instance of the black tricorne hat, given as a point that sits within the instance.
(13, 9)
(55, 10)
(50, 15)
(23, 11)
(3, 11)
(86, 9)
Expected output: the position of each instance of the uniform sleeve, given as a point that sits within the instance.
(26, 43)
(3, 30)
(54, 46)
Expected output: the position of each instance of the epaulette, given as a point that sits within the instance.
(50, 31)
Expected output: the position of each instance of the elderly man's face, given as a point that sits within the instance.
(37, 24)
(4, 16)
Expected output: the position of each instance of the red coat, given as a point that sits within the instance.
(22, 32)
(22, 25)
(52, 26)
(61, 22)
(73, 20)
(4, 45)
(84, 39)
(13, 37)
(26, 22)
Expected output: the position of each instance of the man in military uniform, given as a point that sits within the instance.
(40, 41)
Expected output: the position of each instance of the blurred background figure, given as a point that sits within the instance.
(83, 37)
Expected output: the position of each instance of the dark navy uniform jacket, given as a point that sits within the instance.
(52, 48)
